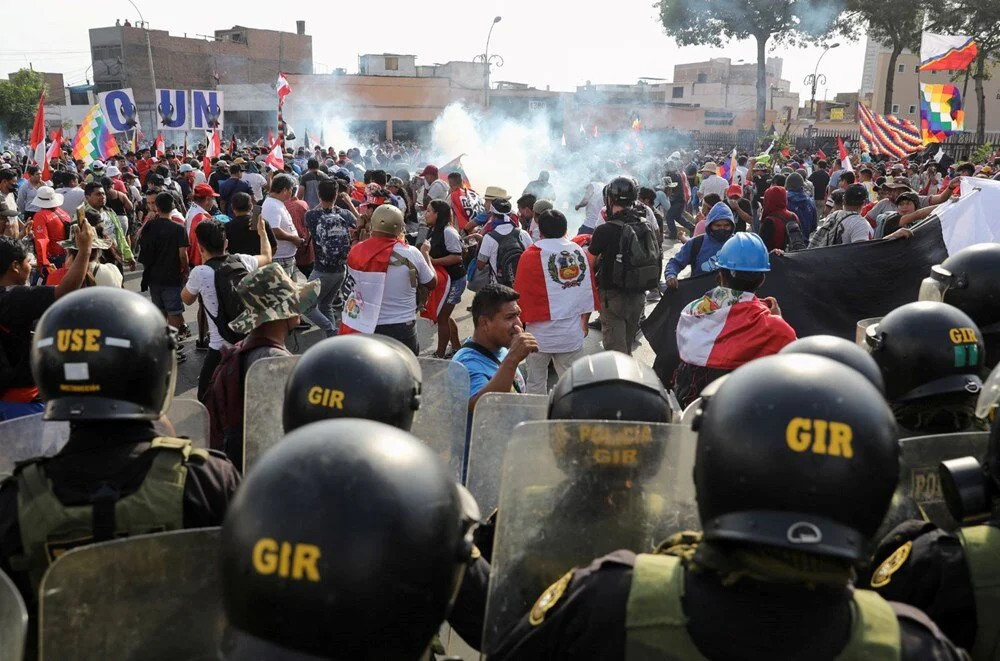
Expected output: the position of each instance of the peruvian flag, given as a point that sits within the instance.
(436, 299)
(367, 263)
(821, 154)
(37, 140)
(845, 161)
(283, 88)
(556, 281)
(725, 329)
(158, 149)
(55, 150)
(213, 147)
(275, 158)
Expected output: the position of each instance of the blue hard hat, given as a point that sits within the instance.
(744, 251)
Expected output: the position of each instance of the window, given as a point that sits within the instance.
(392, 64)
(78, 97)
(895, 108)
(678, 93)
(902, 68)
(702, 78)
(913, 109)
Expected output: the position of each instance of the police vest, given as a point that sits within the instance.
(49, 528)
(982, 555)
(656, 627)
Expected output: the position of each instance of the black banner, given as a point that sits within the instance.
(820, 291)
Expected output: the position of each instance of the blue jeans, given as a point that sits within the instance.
(329, 304)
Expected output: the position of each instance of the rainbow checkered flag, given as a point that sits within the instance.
(93, 141)
(941, 112)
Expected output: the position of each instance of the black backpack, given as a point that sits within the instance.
(509, 251)
(794, 239)
(229, 270)
(638, 262)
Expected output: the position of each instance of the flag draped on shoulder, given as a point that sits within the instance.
(367, 264)
(943, 52)
(93, 141)
(887, 135)
(436, 298)
(556, 281)
(941, 112)
(275, 157)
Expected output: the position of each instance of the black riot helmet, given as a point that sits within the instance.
(104, 353)
(622, 192)
(781, 443)
(926, 349)
(609, 386)
(354, 376)
(347, 540)
(970, 280)
(841, 350)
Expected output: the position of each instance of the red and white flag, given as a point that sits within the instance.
(725, 329)
(845, 159)
(556, 281)
(213, 147)
(158, 149)
(37, 140)
(367, 263)
(275, 158)
(283, 88)
(437, 298)
(55, 151)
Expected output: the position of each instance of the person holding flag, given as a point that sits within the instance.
(558, 292)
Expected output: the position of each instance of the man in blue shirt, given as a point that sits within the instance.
(697, 252)
(498, 344)
(234, 184)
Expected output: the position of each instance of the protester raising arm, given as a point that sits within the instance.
(78, 269)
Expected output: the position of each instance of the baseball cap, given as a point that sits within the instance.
(186, 167)
(855, 194)
(734, 191)
(204, 190)
(430, 169)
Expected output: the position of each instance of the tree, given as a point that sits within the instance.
(692, 23)
(19, 101)
(890, 24)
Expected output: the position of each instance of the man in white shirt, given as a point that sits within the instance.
(211, 237)
(71, 192)
(593, 201)
(711, 182)
(489, 249)
(740, 176)
(277, 216)
(434, 188)
(257, 182)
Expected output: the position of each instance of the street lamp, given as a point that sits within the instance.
(812, 79)
(149, 52)
(487, 59)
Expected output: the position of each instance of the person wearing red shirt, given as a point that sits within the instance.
(49, 228)
(143, 165)
(113, 173)
(465, 203)
(305, 256)
(202, 202)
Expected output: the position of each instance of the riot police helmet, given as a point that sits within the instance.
(622, 192)
(104, 353)
(783, 441)
(841, 350)
(354, 376)
(609, 386)
(349, 539)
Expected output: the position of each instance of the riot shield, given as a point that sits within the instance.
(862, 328)
(13, 620)
(692, 409)
(440, 422)
(990, 394)
(188, 418)
(148, 597)
(444, 410)
(493, 422)
(263, 400)
(918, 469)
(572, 491)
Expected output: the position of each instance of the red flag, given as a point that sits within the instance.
(206, 165)
(821, 154)
(270, 138)
(275, 158)
(232, 145)
(284, 89)
(845, 161)
(37, 140)
(214, 146)
(158, 150)
(786, 152)
(55, 150)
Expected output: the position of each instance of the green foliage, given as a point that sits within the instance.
(19, 101)
(981, 153)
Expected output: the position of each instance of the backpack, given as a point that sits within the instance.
(509, 251)
(224, 397)
(638, 262)
(229, 270)
(794, 239)
(831, 231)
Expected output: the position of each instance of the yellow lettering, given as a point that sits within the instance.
(315, 395)
(93, 335)
(956, 335)
(285, 559)
(76, 343)
(265, 559)
(963, 335)
(819, 433)
(78, 339)
(797, 434)
(840, 440)
(602, 456)
(62, 340)
(630, 457)
(304, 562)
(326, 397)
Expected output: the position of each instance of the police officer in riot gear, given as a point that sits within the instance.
(104, 360)
(931, 355)
(970, 280)
(609, 386)
(376, 378)
(770, 577)
(348, 540)
(841, 350)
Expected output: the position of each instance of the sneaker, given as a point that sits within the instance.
(201, 345)
(181, 357)
(183, 332)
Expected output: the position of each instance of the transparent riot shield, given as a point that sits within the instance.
(493, 423)
(690, 412)
(186, 418)
(862, 329)
(444, 410)
(572, 491)
(263, 400)
(990, 394)
(150, 597)
(13, 620)
(918, 469)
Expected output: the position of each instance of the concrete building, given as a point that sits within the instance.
(905, 92)
(237, 55)
(719, 83)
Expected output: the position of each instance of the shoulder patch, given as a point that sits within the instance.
(890, 565)
(549, 598)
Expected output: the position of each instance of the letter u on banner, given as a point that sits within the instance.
(172, 110)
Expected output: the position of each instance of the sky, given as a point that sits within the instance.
(558, 43)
